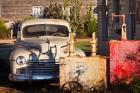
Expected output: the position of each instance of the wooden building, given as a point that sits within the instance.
(110, 28)
(20, 9)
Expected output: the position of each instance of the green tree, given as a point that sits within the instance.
(76, 19)
(90, 22)
(83, 25)
(4, 32)
(54, 11)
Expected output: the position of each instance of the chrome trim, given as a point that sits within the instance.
(44, 60)
(36, 71)
(28, 77)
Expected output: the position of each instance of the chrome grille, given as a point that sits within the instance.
(43, 68)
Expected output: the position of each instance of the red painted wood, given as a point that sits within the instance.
(124, 60)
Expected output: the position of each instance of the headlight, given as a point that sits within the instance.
(21, 60)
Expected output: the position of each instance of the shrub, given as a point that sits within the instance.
(54, 11)
(4, 32)
(83, 25)
(90, 22)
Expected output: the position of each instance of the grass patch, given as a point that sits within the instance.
(85, 46)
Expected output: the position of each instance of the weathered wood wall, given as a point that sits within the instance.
(19, 9)
(111, 25)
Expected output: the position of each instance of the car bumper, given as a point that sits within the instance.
(27, 77)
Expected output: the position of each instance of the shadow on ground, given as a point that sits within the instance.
(5, 50)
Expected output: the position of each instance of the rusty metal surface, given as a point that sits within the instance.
(88, 71)
(124, 60)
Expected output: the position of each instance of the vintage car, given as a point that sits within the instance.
(36, 52)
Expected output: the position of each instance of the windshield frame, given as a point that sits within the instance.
(46, 34)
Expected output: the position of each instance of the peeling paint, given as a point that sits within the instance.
(87, 71)
(124, 60)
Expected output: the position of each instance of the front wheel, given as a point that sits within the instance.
(71, 87)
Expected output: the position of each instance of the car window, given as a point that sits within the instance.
(45, 30)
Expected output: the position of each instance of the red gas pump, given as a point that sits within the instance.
(124, 57)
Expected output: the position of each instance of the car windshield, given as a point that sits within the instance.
(45, 30)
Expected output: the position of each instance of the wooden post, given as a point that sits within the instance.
(93, 44)
(71, 45)
(124, 35)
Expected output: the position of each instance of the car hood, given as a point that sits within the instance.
(58, 47)
(42, 43)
